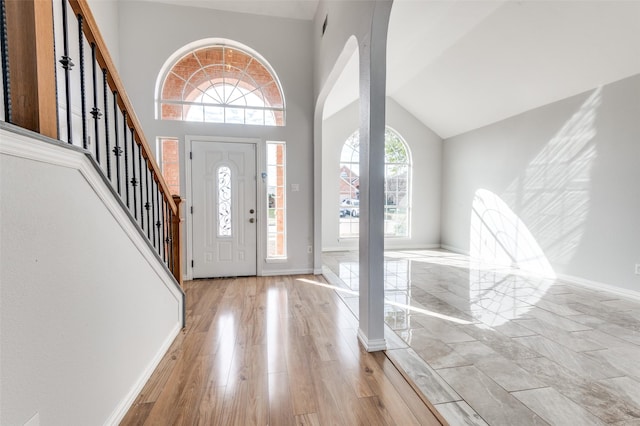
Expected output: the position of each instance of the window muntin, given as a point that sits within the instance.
(224, 201)
(169, 161)
(222, 84)
(349, 187)
(396, 186)
(276, 200)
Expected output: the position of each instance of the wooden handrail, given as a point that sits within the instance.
(92, 33)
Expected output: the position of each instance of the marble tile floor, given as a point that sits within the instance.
(496, 346)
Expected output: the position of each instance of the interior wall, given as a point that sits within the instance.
(426, 153)
(344, 19)
(569, 171)
(285, 43)
(106, 15)
(85, 308)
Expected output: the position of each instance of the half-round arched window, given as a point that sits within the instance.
(221, 84)
(397, 185)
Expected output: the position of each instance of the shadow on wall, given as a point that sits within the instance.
(552, 199)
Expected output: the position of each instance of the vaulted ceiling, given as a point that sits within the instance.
(458, 65)
(295, 9)
(461, 65)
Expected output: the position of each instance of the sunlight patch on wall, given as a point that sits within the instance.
(552, 195)
(500, 237)
(538, 221)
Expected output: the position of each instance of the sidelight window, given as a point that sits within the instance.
(276, 201)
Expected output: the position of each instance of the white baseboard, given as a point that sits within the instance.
(373, 345)
(399, 247)
(595, 285)
(124, 406)
(331, 249)
(275, 272)
(454, 249)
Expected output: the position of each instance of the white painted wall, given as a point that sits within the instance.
(151, 33)
(570, 171)
(106, 14)
(344, 19)
(426, 153)
(85, 309)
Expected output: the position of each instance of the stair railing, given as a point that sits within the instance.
(59, 80)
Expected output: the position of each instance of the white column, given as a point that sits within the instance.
(373, 70)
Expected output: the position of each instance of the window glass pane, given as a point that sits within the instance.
(226, 78)
(254, 99)
(195, 113)
(254, 116)
(276, 200)
(170, 163)
(235, 96)
(224, 202)
(396, 186)
(269, 118)
(213, 114)
(209, 97)
(171, 112)
(234, 115)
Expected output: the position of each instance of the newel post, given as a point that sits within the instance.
(32, 58)
(176, 238)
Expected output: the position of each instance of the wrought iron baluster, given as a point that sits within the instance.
(117, 151)
(83, 94)
(95, 111)
(126, 156)
(156, 209)
(159, 217)
(8, 115)
(164, 225)
(170, 239)
(140, 179)
(147, 205)
(67, 64)
(105, 99)
(134, 181)
(154, 189)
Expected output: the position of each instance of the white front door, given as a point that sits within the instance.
(223, 194)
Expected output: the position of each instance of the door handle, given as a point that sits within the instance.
(252, 211)
(252, 220)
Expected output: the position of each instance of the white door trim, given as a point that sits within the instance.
(260, 197)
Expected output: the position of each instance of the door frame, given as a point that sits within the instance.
(261, 199)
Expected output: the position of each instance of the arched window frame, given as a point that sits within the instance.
(397, 208)
(188, 86)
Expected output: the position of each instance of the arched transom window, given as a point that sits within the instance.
(397, 180)
(222, 84)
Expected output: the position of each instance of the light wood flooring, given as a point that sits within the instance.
(497, 346)
(273, 351)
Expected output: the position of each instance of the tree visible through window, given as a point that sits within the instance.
(397, 176)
